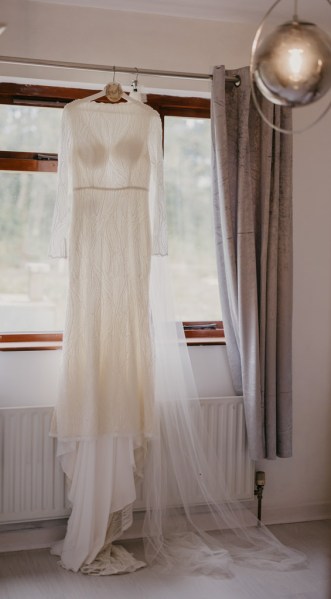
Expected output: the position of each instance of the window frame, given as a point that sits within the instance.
(197, 333)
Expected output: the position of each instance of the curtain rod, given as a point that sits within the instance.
(113, 69)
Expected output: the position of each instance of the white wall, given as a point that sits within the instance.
(30, 378)
(109, 37)
(299, 487)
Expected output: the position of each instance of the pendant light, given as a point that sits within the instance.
(292, 65)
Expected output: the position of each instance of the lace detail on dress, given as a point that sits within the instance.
(58, 247)
(114, 559)
(109, 218)
(157, 199)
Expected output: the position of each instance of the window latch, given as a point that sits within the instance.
(45, 156)
(200, 326)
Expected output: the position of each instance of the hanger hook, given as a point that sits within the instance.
(135, 81)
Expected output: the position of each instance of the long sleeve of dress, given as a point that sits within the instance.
(157, 198)
(58, 247)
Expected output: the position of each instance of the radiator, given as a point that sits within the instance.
(32, 485)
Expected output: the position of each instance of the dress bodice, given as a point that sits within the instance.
(112, 145)
(109, 147)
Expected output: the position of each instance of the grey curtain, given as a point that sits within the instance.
(252, 196)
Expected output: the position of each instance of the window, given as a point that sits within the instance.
(33, 287)
(187, 174)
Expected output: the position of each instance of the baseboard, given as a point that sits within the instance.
(32, 535)
(41, 535)
(298, 513)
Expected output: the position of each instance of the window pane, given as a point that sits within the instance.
(29, 129)
(187, 162)
(32, 287)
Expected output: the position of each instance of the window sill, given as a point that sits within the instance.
(54, 345)
(196, 333)
(206, 341)
(30, 346)
(30, 342)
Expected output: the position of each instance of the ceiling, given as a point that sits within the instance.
(223, 10)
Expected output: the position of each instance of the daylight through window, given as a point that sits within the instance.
(32, 286)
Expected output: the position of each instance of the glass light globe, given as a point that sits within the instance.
(292, 66)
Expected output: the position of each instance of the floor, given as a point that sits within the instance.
(36, 575)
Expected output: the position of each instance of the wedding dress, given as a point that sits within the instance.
(110, 172)
(127, 402)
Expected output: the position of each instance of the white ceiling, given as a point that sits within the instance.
(227, 10)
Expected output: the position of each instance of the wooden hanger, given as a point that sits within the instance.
(114, 92)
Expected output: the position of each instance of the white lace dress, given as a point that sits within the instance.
(109, 219)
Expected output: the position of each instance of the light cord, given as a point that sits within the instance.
(295, 12)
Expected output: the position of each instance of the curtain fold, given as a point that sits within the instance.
(252, 198)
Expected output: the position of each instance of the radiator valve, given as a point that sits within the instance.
(259, 487)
